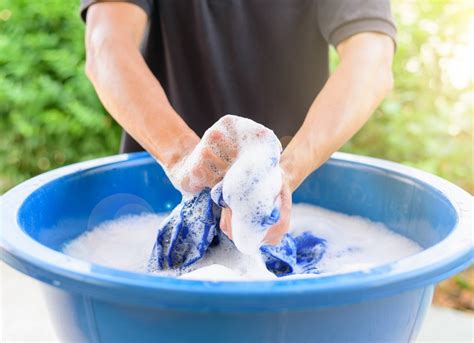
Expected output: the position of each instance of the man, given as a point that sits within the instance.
(166, 70)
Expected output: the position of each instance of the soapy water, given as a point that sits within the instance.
(352, 244)
(250, 186)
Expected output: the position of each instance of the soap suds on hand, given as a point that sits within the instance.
(352, 244)
(251, 185)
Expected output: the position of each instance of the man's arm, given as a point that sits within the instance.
(348, 99)
(126, 86)
(136, 100)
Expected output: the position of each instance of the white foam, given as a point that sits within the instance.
(124, 243)
(214, 272)
(253, 180)
(353, 243)
(251, 186)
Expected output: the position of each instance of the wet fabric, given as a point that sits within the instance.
(186, 233)
(294, 255)
(192, 228)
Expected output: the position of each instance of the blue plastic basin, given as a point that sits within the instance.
(91, 303)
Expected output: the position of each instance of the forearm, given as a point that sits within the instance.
(134, 97)
(345, 103)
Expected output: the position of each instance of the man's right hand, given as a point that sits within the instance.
(206, 164)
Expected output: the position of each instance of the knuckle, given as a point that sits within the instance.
(227, 119)
(207, 152)
(215, 135)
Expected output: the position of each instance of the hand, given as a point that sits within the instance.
(206, 164)
(276, 231)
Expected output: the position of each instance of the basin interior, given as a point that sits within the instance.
(67, 206)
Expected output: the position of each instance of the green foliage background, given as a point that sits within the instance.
(50, 115)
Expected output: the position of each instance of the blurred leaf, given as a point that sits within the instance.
(427, 121)
(49, 113)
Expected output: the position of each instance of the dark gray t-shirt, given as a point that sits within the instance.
(262, 59)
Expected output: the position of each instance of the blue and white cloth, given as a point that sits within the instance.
(193, 227)
(186, 233)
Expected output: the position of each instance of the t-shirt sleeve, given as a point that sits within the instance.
(146, 5)
(340, 19)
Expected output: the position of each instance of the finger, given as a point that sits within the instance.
(276, 232)
(199, 176)
(229, 149)
(225, 223)
(213, 167)
(223, 146)
(214, 161)
(228, 120)
(208, 171)
(214, 135)
(193, 183)
(261, 132)
(229, 124)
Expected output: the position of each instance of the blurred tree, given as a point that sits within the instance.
(50, 115)
(427, 121)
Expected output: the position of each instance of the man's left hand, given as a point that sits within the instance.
(276, 231)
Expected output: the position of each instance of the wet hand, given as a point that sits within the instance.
(276, 231)
(207, 163)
